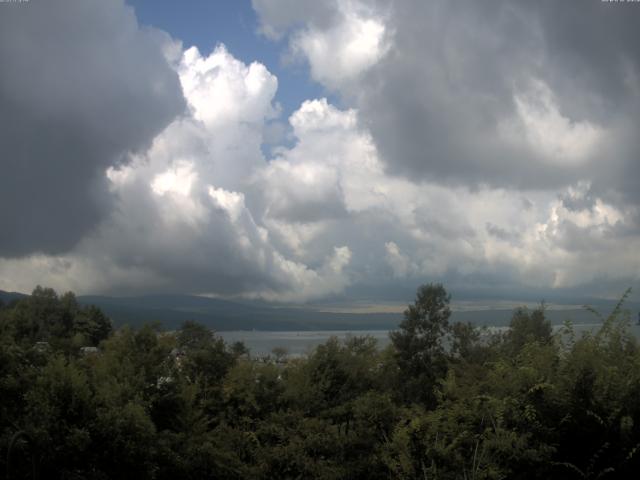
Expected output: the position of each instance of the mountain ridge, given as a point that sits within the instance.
(171, 310)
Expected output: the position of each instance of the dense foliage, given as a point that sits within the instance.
(442, 401)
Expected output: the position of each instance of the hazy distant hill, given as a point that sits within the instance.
(7, 297)
(172, 310)
(223, 315)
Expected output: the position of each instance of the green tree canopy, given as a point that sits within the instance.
(420, 351)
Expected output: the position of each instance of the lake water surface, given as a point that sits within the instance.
(303, 342)
(296, 343)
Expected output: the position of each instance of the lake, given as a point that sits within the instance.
(296, 343)
(303, 342)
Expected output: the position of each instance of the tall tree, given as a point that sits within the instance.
(420, 352)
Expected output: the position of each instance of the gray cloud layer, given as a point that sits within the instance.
(437, 102)
(478, 143)
(81, 86)
(462, 85)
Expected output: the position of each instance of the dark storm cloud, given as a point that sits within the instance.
(276, 21)
(577, 203)
(81, 86)
(500, 233)
(593, 63)
(504, 100)
(479, 144)
(437, 102)
(592, 51)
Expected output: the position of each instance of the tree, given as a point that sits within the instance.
(94, 325)
(526, 327)
(194, 336)
(420, 353)
(206, 362)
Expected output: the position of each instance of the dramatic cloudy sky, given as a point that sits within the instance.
(297, 150)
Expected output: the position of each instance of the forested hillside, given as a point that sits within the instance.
(445, 400)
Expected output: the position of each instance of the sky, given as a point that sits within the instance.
(302, 151)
